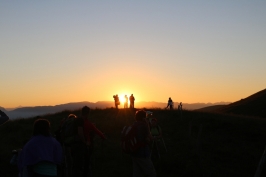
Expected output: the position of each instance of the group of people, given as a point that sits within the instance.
(170, 105)
(131, 101)
(43, 153)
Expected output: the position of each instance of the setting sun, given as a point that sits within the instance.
(122, 98)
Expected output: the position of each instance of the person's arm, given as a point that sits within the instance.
(150, 137)
(80, 125)
(97, 131)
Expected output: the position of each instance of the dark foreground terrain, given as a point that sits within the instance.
(198, 144)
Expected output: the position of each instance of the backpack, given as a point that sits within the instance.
(129, 140)
(157, 128)
(69, 131)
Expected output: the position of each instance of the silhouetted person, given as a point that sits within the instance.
(180, 109)
(180, 106)
(126, 102)
(142, 164)
(42, 153)
(170, 103)
(132, 100)
(114, 96)
(83, 149)
(117, 102)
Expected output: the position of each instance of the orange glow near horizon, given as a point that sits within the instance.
(102, 89)
(96, 58)
(122, 98)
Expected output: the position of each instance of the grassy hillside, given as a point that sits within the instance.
(198, 144)
(211, 108)
(253, 105)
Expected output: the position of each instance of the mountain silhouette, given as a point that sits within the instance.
(25, 112)
(213, 108)
(254, 105)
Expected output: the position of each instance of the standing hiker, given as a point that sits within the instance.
(170, 103)
(42, 153)
(132, 100)
(114, 96)
(82, 151)
(142, 164)
(67, 135)
(117, 102)
(126, 102)
(180, 107)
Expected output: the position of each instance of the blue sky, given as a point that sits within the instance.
(54, 52)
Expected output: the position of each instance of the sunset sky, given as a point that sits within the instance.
(55, 52)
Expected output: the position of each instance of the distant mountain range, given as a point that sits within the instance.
(253, 105)
(25, 112)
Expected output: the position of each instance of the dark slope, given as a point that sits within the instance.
(254, 105)
(198, 144)
(211, 108)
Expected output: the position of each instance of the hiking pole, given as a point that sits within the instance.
(164, 145)
(102, 160)
(157, 147)
(66, 161)
(65, 166)
(152, 147)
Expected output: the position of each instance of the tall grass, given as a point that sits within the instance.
(198, 144)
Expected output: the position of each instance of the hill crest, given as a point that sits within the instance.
(253, 105)
(25, 112)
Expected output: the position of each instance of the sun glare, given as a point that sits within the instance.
(122, 98)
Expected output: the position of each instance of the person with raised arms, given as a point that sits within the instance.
(82, 150)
